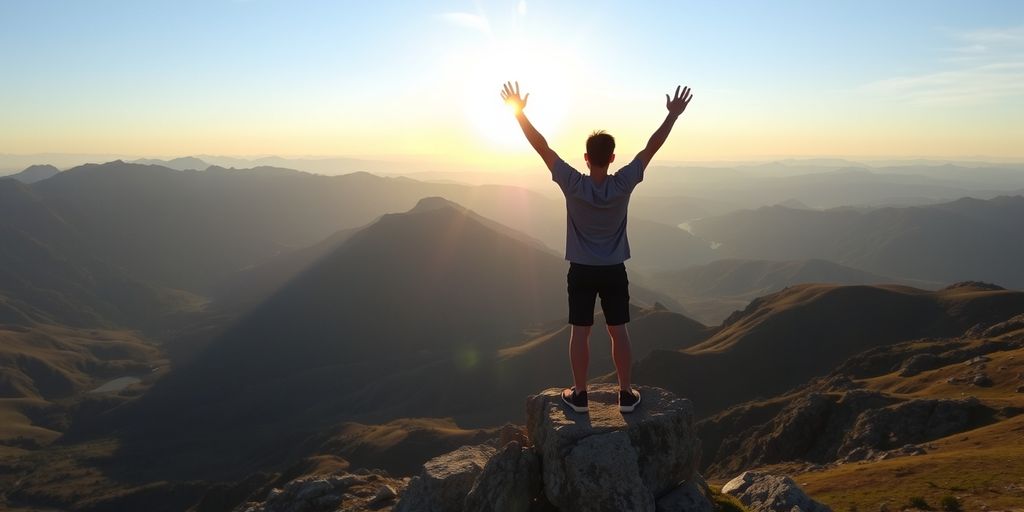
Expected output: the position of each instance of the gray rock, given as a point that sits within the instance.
(1020, 389)
(594, 456)
(507, 483)
(974, 361)
(692, 496)
(981, 380)
(384, 493)
(445, 480)
(313, 489)
(763, 492)
(920, 363)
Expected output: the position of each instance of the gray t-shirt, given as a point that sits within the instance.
(596, 214)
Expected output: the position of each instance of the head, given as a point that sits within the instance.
(600, 150)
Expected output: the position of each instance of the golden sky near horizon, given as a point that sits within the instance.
(267, 77)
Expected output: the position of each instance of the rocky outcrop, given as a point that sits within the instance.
(604, 461)
(322, 493)
(828, 427)
(607, 461)
(508, 482)
(763, 492)
(445, 481)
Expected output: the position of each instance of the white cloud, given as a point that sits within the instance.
(468, 20)
(986, 67)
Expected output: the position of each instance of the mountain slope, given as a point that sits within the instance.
(783, 340)
(964, 240)
(49, 275)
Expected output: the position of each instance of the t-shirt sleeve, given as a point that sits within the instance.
(568, 179)
(629, 176)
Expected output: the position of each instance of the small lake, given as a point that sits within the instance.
(116, 385)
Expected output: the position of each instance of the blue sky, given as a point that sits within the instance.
(798, 78)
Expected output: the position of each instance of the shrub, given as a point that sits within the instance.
(919, 503)
(949, 503)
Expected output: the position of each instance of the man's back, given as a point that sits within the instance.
(596, 213)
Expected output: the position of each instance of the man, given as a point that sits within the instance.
(595, 243)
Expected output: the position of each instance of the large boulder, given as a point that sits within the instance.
(445, 480)
(763, 492)
(692, 496)
(609, 461)
(508, 483)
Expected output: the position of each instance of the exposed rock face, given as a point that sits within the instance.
(763, 492)
(507, 483)
(693, 496)
(445, 481)
(608, 461)
(604, 461)
(914, 421)
(353, 492)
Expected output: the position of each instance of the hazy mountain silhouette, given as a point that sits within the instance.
(184, 163)
(961, 240)
(187, 229)
(830, 186)
(753, 278)
(34, 173)
(787, 338)
(48, 274)
(398, 319)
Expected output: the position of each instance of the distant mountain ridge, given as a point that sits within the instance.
(783, 340)
(967, 239)
(34, 173)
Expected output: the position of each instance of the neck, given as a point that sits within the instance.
(598, 172)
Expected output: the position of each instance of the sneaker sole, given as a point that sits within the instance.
(631, 408)
(574, 407)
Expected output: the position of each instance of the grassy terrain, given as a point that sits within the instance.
(982, 468)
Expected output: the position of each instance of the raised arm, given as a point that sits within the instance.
(676, 105)
(511, 96)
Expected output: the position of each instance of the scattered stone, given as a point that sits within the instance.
(763, 492)
(977, 360)
(327, 493)
(981, 380)
(1020, 389)
(384, 493)
(445, 480)
(313, 489)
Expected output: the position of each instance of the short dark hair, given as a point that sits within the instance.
(600, 147)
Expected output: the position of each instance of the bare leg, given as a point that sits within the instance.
(579, 355)
(622, 354)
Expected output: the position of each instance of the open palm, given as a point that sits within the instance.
(511, 96)
(677, 104)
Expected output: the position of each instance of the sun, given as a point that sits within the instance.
(539, 71)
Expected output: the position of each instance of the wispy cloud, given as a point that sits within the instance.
(468, 20)
(985, 66)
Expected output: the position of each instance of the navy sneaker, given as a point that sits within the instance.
(577, 401)
(628, 400)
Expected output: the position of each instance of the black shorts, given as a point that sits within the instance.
(586, 282)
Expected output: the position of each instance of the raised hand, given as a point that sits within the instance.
(677, 104)
(511, 96)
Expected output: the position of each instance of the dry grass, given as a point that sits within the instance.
(983, 468)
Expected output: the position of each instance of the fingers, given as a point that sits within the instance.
(676, 95)
(526, 98)
(517, 87)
